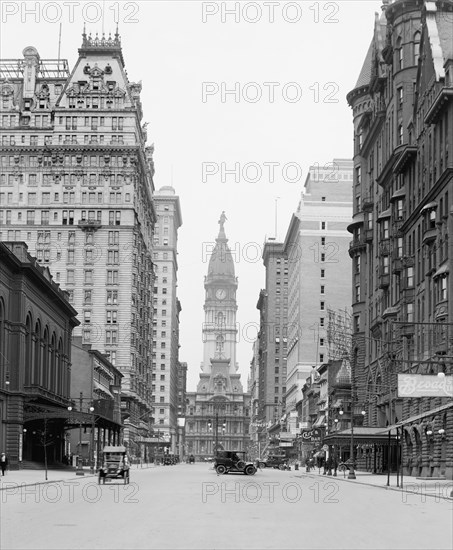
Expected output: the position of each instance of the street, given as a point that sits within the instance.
(189, 506)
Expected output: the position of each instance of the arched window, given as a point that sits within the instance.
(37, 354)
(53, 353)
(45, 359)
(416, 48)
(61, 382)
(28, 351)
(399, 53)
(2, 339)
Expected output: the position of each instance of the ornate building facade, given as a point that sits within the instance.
(218, 413)
(76, 184)
(36, 326)
(402, 225)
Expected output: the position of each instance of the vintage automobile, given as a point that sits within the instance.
(274, 461)
(233, 462)
(115, 464)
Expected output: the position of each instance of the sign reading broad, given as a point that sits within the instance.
(424, 385)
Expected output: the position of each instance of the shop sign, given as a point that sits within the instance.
(311, 435)
(424, 385)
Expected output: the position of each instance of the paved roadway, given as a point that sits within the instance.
(190, 507)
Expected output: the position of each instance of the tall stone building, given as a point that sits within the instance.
(272, 341)
(166, 315)
(76, 184)
(401, 248)
(316, 246)
(218, 413)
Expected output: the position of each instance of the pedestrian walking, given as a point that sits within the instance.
(3, 463)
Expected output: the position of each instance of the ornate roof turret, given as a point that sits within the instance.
(103, 45)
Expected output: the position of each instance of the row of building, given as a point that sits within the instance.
(332, 355)
(77, 188)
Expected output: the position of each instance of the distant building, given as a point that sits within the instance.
(165, 353)
(95, 391)
(273, 342)
(218, 413)
(36, 325)
(316, 246)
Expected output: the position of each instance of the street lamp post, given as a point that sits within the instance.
(79, 470)
(216, 429)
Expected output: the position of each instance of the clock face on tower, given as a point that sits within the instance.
(220, 294)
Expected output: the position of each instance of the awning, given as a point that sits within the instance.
(416, 417)
(398, 194)
(362, 434)
(100, 388)
(443, 270)
(358, 219)
(429, 206)
(319, 422)
(385, 214)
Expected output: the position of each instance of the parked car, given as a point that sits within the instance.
(115, 464)
(233, 461)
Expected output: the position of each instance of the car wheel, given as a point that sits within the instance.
(250, 470)
(220, 469)
(281, 467)
(240, 465)
(262, 464)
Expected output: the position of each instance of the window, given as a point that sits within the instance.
(70, 276)
(410, 277)
(111, 316)
(323, 225)
(322, 306)
(87, 316)
(410, 313)
(112, 277)
(358, 175)
(443, 289)
(323, 273)
(112, 297)
(323, 288)
(88, 277)
(87, 296)
(321, 321)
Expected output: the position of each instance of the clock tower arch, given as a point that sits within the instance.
(219, 328)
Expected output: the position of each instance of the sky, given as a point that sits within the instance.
(241, 99)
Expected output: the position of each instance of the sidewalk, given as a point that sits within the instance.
(436, 488)
(38, 477)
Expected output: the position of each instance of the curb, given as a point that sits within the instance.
(32, 483)
(388, 488)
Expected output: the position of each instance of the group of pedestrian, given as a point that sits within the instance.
(3, 463)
